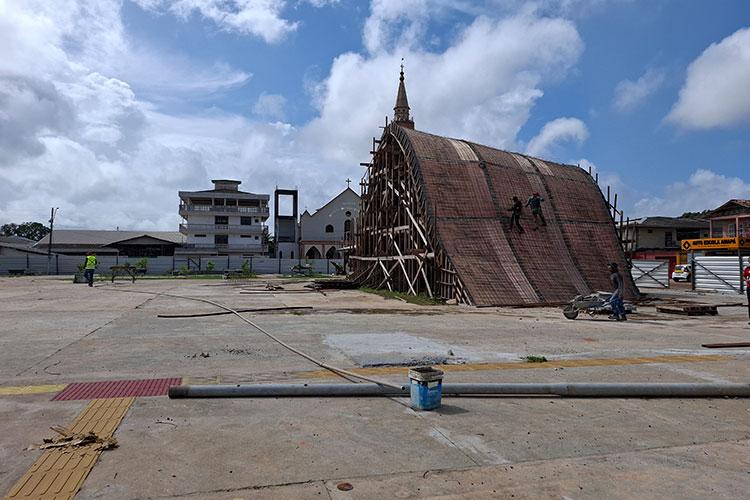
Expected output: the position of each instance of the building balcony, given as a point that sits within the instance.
(262, 212)
(211, 247)
(255, 230)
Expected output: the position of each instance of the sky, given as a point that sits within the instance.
(109, 107)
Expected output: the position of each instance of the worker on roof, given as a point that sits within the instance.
(618, 308)
(515, 214)
(88, 268)
(535, 202)
(746, 276)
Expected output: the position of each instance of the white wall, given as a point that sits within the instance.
(312, 227)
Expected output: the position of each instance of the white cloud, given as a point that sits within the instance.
(261, 18)
(83, 131)
(555, 132)
(270, 106)
(703, 190)
(715, 93)
(481, 88)
(629, 94)
(322, 3)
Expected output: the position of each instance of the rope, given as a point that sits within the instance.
(334, 369)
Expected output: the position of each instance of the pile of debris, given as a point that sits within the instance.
(68, 439)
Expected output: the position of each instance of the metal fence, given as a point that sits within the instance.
(719, 274)
(66, 264)
(650, 273)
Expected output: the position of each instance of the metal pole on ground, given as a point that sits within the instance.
(578, 390)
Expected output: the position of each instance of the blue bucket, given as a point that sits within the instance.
(425, 388)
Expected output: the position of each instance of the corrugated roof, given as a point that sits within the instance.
(21, 247)
(469, 190)
(95, 237)
(742, 204)
(673, 222)
(18, 240)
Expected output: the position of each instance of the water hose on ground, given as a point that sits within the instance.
(334, 369)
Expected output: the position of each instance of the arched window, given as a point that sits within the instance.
(329, 228)
(332, 253)
(313, 253)
(347, 226)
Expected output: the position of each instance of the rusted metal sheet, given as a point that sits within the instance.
(470, 201)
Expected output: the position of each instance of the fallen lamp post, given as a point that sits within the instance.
(577, 390)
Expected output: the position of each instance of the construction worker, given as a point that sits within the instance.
(515, 214)
(89, 267)
(535, 202)
(618, 308)
(746, 276)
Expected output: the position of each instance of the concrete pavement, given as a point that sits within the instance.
(54, 332)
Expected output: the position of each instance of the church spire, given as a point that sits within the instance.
(401, 109)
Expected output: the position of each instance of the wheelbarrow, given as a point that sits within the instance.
(592, 304)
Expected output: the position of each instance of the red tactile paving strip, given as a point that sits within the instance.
(117, 389)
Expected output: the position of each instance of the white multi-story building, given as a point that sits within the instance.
(223, 220)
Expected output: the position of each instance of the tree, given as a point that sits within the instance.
(269, 241)
(31, 230)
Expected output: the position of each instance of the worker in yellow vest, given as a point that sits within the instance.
(89, 267)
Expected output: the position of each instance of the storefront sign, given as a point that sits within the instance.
(715, 244)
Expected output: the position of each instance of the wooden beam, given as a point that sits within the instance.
(387, 258)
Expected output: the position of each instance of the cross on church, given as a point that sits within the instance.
(348, 180)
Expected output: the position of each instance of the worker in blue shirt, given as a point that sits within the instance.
(535, 203)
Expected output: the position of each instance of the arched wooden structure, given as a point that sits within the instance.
(435, 214)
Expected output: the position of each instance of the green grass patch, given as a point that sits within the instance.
(422, 300)
(535, 359)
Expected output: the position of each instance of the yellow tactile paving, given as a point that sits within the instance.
(58, 474)
(570, 363)
(31, 389)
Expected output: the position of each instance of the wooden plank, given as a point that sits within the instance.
(726, 345)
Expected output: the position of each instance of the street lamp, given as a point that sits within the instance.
(53, 211)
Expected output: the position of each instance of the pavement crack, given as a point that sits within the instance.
(58, 351)
(248, 488)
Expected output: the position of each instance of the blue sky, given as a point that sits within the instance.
(109, 107)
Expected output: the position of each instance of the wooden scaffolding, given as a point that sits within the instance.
(396, 245)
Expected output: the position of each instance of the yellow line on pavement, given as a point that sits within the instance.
(59, 473)
(568, 363)
(31, 389)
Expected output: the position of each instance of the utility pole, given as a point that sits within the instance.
(53, 211)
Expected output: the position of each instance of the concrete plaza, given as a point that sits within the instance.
(54, 333)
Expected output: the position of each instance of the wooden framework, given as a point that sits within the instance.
(395, 244)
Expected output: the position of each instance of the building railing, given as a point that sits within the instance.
(255, 229)
(261, 211)
(212, 246)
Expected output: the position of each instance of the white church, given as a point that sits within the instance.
(324, 233)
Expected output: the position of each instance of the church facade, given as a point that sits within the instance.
(329, 231)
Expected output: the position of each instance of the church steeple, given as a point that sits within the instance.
(401, 109)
